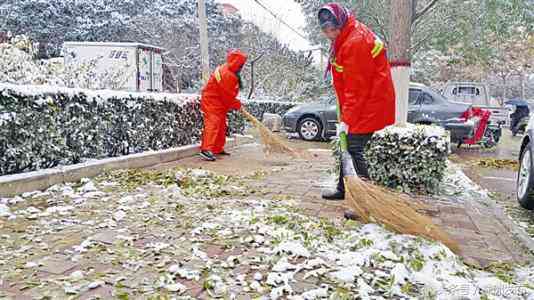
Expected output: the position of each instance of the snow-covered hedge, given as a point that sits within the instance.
(410, 159)
(43, 126)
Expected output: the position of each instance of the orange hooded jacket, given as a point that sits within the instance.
(219, 94)
(219, 97)
(362, 76)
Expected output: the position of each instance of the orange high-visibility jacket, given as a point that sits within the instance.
(362, 79)
(218, 97)
(219, 94)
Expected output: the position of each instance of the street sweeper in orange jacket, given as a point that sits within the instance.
(218, 98)
(362, 79)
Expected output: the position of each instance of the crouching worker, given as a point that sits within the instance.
(218, 98)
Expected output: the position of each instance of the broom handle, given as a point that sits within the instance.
(249, 117)
(347, 164)
(343, 143)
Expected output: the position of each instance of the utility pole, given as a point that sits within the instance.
(400, 56)
(204, 50)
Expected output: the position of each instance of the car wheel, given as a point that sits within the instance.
(525, 179)
(309, 129)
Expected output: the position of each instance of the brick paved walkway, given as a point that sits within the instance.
(474, 224)
(126, 258)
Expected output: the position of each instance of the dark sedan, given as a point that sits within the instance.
(318, 121)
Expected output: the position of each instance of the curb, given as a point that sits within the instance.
(500, 214)
(518, 232)
(12, 185)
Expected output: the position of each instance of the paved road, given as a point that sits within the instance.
(494, 180)
(501, 182)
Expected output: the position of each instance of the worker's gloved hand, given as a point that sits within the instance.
(342, 128)
(236, 105)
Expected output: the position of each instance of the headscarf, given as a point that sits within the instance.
(341, 15)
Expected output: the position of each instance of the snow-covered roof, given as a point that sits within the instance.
(112, 44)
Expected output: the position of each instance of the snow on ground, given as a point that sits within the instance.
(456, 183)
(153, 239)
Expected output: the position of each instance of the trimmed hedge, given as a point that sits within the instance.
(42, 126)
(409, 159)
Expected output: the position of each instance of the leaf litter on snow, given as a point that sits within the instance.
(228, 246)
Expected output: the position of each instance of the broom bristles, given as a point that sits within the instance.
(271, 143)
(371, 203)
(396, 213)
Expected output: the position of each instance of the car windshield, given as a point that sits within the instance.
(437, 97)
(413, 96)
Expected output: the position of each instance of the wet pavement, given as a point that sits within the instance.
(501, 182)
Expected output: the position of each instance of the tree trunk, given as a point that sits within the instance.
(399, 53)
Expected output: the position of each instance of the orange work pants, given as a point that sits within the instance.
(214, 133)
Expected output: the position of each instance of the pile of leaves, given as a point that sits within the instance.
(498, 163)
(194, 183)
(409, 159)
(43, 126)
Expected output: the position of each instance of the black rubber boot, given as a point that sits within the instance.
(207, 156)
(350, 215)
(333, 195)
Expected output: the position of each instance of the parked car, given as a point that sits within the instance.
(477, 94)
(525, 175)
(318, 121)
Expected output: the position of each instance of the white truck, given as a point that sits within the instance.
(140, 65)
(477, 94)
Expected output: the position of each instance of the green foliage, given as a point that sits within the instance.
(43, 130)
(410, 159)
(417, 263)
(280, 220)
(452, 40)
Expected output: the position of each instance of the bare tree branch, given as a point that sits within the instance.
(424, 10)
(381, 27)
(415, 46)
(414, 9)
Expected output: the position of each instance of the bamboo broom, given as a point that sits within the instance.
(271, 143)
(375, 204)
